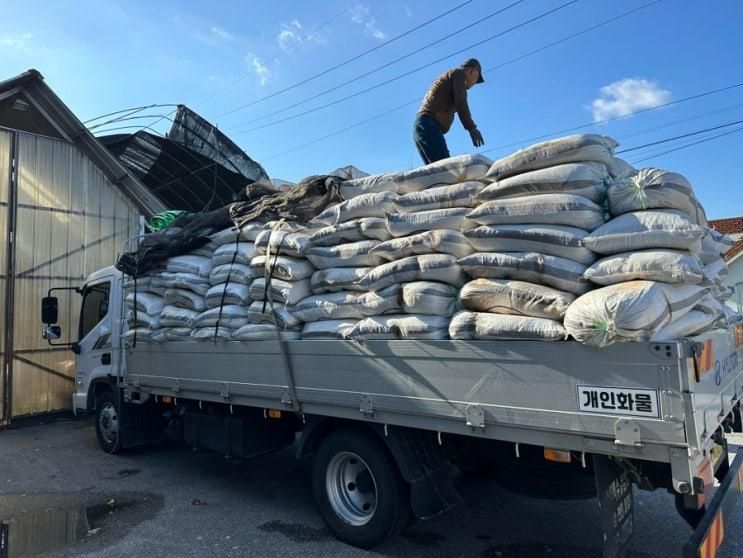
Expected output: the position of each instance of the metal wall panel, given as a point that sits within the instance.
(5, 145)
(70, 221)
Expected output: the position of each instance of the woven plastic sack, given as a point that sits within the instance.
(141, 333)
(692, 323)
(140, 319)
(183, 298)
(148, 284)
(189, 281)
(710, 305)
(479, 325)
(229, 316)
(329, 329)
(282, 267)
(228, 293)
(235, 273)
(383, 301)
(429, 297)
(441, 241)
(632, 311)
(366, 205)
(666, 266)
(261, 312)
(440, 197)
(281, 242)
(642, 230)
(176, 333)
(230, 236)
(655, 189)
(206, 333)
(405, 224)
(146, 303)
(234, 253)
(368, 228)
(172, 316)
(263, 332)
(543, 209)
(715, 271)
(353, 254)
(330, 306)
(401, 326)
(588, 180)
(714, 245)
(339, 279)
(519, 298)
(552, 240)
(283, 292)
(207, 250)
(435, 267)
(193, 265)
(560, 273)
(569, 149)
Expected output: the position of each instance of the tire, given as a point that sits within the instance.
(107, 422)
(359, 490)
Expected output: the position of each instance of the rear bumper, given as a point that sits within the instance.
(710, 533)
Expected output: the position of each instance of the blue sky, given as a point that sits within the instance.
(101, 56)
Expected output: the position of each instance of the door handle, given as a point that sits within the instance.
(106, 358)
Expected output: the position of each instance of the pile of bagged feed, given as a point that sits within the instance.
(560, 240)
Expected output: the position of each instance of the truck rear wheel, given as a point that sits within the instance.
(107, 422)
(358, 488)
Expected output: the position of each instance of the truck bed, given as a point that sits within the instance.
(633, 399)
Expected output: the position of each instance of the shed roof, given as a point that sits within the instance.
(28, 104)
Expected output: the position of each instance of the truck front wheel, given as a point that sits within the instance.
(358, 488)
(107, 421)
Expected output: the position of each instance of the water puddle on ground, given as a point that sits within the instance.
(35, 532)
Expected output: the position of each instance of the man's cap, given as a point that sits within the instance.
(474, 63)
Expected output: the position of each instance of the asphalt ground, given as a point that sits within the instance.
(171, 501)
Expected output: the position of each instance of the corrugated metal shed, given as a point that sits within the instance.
(66, 207)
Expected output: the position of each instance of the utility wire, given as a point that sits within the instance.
(674, 138)
(131, 109)
(347, 61)
(382, 67)
(679, 148)
(396, 78)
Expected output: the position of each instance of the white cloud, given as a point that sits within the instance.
(16, 41)
(408, 11)
(259, 69)
(626, 96)
(221, 33)
(361, 15)
(291, 34)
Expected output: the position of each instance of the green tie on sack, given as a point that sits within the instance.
(163, 220)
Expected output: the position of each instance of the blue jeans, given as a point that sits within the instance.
(429, 139)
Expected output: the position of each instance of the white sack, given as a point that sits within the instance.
(260, 313)
(234, 253)
(183, 298)
(142, 320)
(285, 243)
(172, 316)
(176, 333)
(207, 250)
(366, 205)
(430, 242)
(560, 273)
(339, 279)
(194, 265)
(478, 325)
(545, 209)
(552, 240)
(374, 228)
(235, 273)
(188, 281)
(429, 297)
(329, 329)
(383, 301)
(569, 149)
(401, 326)
(440, 197)
(710, 305)
(281, 267)
(146, 303)
(354, 254)
(141, 333)
(692, 323)
(331, 306)
(263, 332)
(206, 333)
(230, 236)
(231, 316)
(714, 245)
(588, 180)
(405, 224)
(435, 267)
(715, 271)
(682, 298)
(228, 294)
(504, 296)
(283, 292)
(642, 230)
(666, 266)
(147, 284)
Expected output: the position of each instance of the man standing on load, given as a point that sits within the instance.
(447, 95)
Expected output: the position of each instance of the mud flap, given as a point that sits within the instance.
(614, 489)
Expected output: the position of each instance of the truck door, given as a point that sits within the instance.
(94, 358)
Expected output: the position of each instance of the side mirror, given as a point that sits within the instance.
(49, 310)
(51, 332)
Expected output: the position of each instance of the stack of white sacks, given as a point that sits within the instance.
(558, 240)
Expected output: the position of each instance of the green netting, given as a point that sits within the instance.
(163, 220)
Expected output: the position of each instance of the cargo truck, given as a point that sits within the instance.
(390, 422)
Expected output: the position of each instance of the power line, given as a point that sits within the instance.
(131, 109)
(287, 49)
(396, 78)
(679, 148)
(674, 138)
(382, 67)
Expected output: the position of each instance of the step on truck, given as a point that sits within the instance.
(390, 422)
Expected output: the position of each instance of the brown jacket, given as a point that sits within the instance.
(448, 95)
